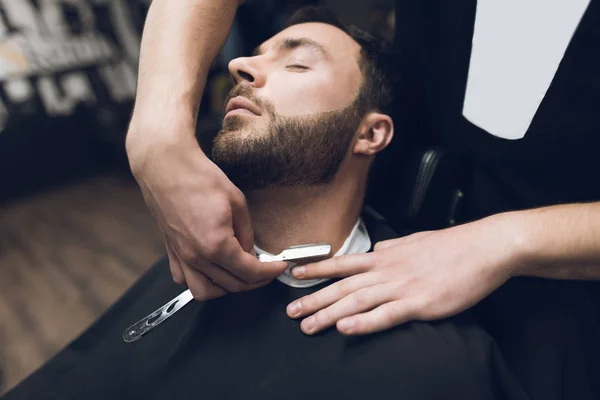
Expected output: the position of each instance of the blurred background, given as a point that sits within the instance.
(74, 230)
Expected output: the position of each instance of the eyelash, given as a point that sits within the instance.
(303, 67)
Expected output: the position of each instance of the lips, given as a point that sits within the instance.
(242, 103)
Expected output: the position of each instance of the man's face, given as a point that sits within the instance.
(292, 115)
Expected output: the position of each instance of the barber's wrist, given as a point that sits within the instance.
(520, 249)
(148, 142)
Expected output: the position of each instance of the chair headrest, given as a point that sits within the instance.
(423, 190)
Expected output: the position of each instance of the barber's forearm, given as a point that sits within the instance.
(559, 242)
(180, 41)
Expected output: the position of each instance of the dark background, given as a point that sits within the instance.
(40, 149)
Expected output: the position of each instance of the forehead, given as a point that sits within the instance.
(339, 46)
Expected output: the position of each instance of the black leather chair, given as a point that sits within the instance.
(422, 189)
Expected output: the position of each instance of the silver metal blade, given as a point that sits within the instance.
(302, 252)
(140, 328)
(305, 251)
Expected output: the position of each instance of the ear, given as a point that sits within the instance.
(374, 134)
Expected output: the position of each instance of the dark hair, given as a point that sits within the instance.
(377, 59)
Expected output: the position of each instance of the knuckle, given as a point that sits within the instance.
(424, 301)
(222, 210)
(361, 298)
(217, 203)
(386, 244)
(347, 285)
(215, 247)
(307, 303)
(422, 306)
(388, 313)
(398, 289)
(211, 253)
(321, 318)
(238, 198)
(310, 303)
(188, 254)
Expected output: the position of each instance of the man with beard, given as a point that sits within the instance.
(308, 114)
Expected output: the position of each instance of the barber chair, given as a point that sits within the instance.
(419, 190)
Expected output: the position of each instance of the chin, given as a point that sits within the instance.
(238, 123)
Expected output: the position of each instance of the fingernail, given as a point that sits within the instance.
(298, 272)
(308, 325)
(294, 309)
(345, 325)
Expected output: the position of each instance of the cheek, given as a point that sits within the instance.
(307, 95)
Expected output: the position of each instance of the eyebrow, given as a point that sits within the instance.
(294, 43)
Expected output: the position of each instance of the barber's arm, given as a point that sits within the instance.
(201, 214)
(561, 242)
(432, 275)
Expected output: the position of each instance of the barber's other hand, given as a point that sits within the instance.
(425, 276)
(203, 217)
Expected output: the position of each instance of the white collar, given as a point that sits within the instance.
(357, 242)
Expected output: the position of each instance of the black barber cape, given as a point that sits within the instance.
(458, 100)
(243, 346)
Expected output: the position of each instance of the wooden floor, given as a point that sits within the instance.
(65, 257)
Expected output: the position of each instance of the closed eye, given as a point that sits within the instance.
(297, 66)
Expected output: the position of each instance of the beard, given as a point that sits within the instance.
(290, 152)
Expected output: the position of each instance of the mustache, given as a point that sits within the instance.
(247, 92)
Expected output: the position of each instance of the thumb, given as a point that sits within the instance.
(242, 224)
(262, 271)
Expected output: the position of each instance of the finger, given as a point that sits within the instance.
(385, 244)
(220, 278)
(336, 267)
(329, 295)
(174, 265)
(381, 318)
(201, 286)
(403, 240)
(214, 273)
(247, 267)
(259, 284)
(223, 278)
(242, 223)
(359, 301)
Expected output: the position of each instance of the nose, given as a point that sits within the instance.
(245, 69)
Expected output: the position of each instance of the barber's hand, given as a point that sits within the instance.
(204, 219)
(425, 276)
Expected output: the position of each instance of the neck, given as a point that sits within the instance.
(284, 217)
